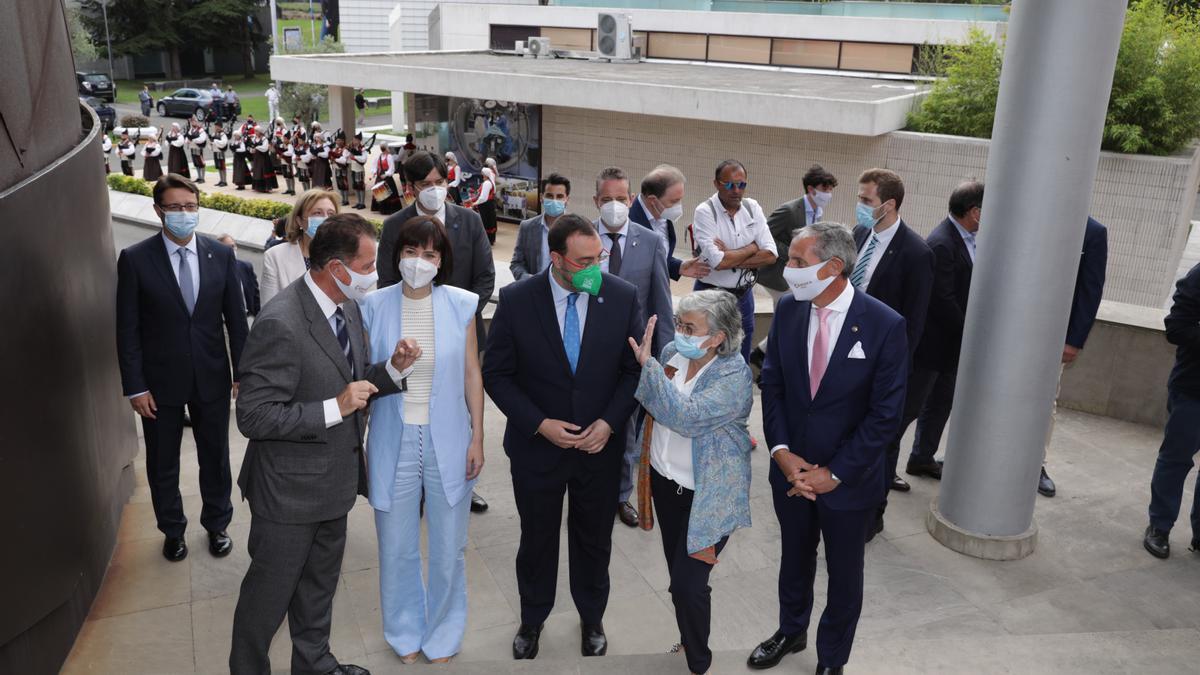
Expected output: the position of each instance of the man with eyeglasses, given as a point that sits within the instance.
(731, 235)
(559, 367)
(178, 296)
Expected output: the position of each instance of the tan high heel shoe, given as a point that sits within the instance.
(409, 659)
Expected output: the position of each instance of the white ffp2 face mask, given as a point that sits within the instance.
(417, 272)
(804, 283)
(822, 199)
(432, 197)
(614, 214)
(672, 213)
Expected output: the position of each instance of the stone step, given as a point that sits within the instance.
(1160, 651)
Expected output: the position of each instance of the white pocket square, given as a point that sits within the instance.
(856, 352)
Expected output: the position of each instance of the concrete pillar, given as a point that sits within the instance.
(1054, 89)
(341, 110)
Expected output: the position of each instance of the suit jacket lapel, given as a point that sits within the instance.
(889, 255)
(547, 315)
(322, 332)
(162, 260)
(533, 244)
(800, 326)
(850, 334)
(204, 261)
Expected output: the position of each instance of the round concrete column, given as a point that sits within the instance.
(1054, 88)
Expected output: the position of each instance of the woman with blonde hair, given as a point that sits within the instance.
(288, 262)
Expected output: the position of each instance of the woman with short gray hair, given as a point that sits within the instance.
(695, 466)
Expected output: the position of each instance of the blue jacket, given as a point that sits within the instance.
(638, 215)
(449, 418)
(856, 412)
(1089, 283)
(714, 417)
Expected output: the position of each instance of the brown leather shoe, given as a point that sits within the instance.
(627, 514)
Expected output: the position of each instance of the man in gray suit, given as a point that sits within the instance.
(304, 392)
(638, 255)
(532, 252)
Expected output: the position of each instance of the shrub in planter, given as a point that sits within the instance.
(122, 183)
(134, 121)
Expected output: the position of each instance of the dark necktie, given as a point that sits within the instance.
(614, 256)
(343, 335)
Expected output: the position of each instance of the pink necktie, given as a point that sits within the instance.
(820, 351)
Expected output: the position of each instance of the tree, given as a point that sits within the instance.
(302, 98)
(964, 102)
(226, 23)
(82, 44)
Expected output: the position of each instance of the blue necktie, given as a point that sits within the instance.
(571, 332)
(343, 336)
(186, 288)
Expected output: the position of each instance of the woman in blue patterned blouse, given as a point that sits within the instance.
(695, 465)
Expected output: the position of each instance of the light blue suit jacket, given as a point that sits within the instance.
(449, 418)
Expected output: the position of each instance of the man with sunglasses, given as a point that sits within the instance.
(731, 236)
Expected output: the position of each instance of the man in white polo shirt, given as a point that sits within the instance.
(731, 234)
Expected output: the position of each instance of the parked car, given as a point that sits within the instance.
(186, 103)
(106, 113)
(96, 84)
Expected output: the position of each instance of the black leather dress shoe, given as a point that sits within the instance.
(478, 505)
(1195, 547)
(219, 543)
(349, 669)
(932, 469)
(627, 514)
(1157, 542)
(899, 484)
(174, 549)
(769, 653)
(1045, 485)
(525, 644)
(592, 641)
(874, 529)
(826, 670)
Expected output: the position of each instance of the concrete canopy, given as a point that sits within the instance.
(753, 95)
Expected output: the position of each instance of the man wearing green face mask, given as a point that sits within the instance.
(558, 368)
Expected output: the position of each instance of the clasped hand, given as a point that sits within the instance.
(566, 435)
(808, 480)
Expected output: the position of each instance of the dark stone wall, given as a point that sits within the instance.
(68, 440)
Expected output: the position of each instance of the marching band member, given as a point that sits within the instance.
(177, 157)
(152, 159)
(197, 138)
(358, 170)
(340, 161)
(240, 170)
(126, 150)
(220, 142)
(106, 147)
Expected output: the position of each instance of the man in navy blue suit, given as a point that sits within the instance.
(659, 207)
(246, 276)
(558, 367)
(1089, 289)
(833, 384)
(178, 298)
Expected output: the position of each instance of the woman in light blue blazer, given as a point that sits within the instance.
(695, 466)
(429, 439)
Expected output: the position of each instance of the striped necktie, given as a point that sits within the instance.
(859, 277)
(343, 335)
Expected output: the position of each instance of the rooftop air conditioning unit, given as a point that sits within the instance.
(614, 36)
(540, 47)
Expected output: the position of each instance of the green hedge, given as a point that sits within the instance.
(265, 209)
(1154, 107)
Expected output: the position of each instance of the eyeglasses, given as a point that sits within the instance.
(599, 261)
(176, 208)
(684, 327)
(731, 185)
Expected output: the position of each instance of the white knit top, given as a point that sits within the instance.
(417, 322)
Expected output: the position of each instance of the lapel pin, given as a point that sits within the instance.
(599, 299)
(210, 256)
(853, 329)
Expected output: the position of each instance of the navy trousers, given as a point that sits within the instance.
(1176, 457)
(802, 525)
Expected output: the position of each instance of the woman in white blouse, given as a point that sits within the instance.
(426, 441)
(288, 262)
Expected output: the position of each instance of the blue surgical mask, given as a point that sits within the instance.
(689, 347)
(554, 207)
(181, 224)
(865, 215)
(313, 223)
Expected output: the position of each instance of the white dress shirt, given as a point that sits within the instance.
(607, 242)
(967, 237)
(560, 306)
(333, 415)
(748, 225)
(193, 261)
(659, 225)
(671, 452)
(885, 238)
(839, 307)
(812, 214)
(440, 214)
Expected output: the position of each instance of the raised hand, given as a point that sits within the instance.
(642, 351)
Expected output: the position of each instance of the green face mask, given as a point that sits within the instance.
(587, 280)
